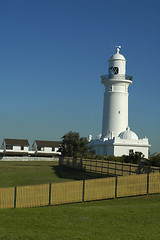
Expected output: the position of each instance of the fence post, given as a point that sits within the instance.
(116, 187)
(115, 168)
(83, 190)
(122, 168)
(102, 167)
(147, 183)
(108, 166)
(130, 169)
(15, 196)
(50, 194)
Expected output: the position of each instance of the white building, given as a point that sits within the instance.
(117, 138)
(47, 148)
(15, 146)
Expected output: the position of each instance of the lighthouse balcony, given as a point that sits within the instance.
(115, 76)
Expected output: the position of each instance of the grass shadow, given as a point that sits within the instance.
(75, 174)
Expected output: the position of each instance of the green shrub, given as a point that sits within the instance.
(134, 158)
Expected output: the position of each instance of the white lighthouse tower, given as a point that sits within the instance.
(115, 110)
(117, 138)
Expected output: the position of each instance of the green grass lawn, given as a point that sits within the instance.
(135, 218)
(30, 173)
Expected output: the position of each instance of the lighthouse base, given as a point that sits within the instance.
(119, 147)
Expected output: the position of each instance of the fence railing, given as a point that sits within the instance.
(79, 191)
(107, 167)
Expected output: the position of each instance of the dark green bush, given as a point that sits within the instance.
(134, 158)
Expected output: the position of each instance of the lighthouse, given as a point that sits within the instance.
(115, 108)
(117, 138)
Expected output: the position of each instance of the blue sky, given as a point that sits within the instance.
(52, 54)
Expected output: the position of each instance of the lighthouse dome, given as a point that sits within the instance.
(128, 135)
(117, 55)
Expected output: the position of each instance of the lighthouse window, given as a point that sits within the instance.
(113, 70)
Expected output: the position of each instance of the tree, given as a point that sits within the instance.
(73, 145)
(155, 160)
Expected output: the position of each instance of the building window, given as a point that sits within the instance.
(22, 148)
(9, 147)
(110, 89)
(53, 149)
(113, 70)
(40, 148)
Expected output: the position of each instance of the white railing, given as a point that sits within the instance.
(116, 76)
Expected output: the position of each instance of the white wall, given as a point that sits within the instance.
(119, 147)
(124, 150)
(27, 158)
(46, 150)
(18, 148)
